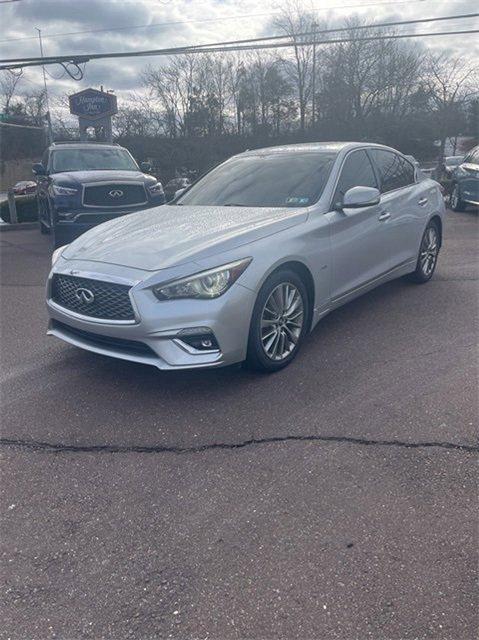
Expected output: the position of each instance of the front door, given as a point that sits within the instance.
(358, 252)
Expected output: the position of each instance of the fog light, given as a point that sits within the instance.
(201, 339)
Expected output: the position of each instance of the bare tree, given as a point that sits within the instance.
(452, 82)
(9, 82)
(292, 21)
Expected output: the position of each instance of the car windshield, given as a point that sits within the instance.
(453, 161)
(85, 159)
(264, 180)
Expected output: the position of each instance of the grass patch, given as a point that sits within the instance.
(27, 209)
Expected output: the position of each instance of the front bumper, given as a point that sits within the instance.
(154, 336)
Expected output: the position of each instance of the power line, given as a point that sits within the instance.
(215, 46)
(203, 20)
(213, 49)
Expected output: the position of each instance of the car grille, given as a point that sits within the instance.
(108, 300)
(114, 195)
(105, 342)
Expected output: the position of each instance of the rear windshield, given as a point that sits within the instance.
(266, 180)
(84, 159)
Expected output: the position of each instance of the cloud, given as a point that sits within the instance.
(188, 22)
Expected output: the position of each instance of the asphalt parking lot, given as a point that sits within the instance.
(335, 499)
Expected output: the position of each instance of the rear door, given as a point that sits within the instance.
(406, 205)
(358, 251)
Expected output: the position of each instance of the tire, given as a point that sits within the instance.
(287, 322)
(44, 228)
(428, 254)
(457, 204)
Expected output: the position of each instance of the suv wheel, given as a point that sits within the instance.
(457, 203)
(44, 227)
(279, 322)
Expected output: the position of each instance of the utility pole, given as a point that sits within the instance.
(47, 102)
(314, 26)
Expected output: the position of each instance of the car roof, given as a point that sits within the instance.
(86, 145)
(313, 147)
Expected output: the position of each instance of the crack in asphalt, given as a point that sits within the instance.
(107, 448)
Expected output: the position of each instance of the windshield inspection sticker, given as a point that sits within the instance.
(297, 200)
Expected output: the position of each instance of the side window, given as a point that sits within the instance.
(357, 171)
(395, 171)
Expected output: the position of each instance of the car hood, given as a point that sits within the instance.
(168, 236)
(82, 177)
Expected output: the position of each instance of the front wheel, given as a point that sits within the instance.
(279, 322)
(428, 253)
(457, 204)
(44, 226)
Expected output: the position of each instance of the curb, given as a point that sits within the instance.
(23, 226)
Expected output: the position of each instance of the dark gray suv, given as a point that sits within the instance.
(81, 184)
(465, 182)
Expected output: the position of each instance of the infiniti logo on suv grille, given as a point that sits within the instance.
(85, 295)
(115, 193)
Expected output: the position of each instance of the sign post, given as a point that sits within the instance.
(94, 110)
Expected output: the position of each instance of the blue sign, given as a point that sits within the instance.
(92, 104)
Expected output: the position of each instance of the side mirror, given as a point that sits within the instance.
(178, 193)
(38, 169)
(358, 197)
(145, 167)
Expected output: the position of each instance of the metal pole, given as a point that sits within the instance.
(47, 102)
(313, 105)
(12, 207)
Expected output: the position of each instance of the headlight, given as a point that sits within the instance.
(63, 191)
(207, 284)
(156, 189)
(57, 253)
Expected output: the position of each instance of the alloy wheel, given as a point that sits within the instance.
(429, 251)
(282, 321)
(455, 197)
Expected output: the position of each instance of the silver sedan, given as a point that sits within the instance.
(244, 263)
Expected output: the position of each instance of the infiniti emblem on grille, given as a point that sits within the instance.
(115, 193)
(84, 295)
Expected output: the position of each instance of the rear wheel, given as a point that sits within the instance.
(279, 322)
(457, 204)
(428, 253)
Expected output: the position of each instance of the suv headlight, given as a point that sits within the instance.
(207, 284)
(57, 253)
(58, 190)
(156, 189)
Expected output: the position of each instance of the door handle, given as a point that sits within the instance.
(384, 216)
(422, 202)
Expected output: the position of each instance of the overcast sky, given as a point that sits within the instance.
(185, 22)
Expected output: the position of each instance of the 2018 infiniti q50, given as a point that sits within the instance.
(248, 259)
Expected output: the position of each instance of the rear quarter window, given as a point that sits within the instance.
(395, 171)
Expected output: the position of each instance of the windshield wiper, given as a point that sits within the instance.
(233, 204)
